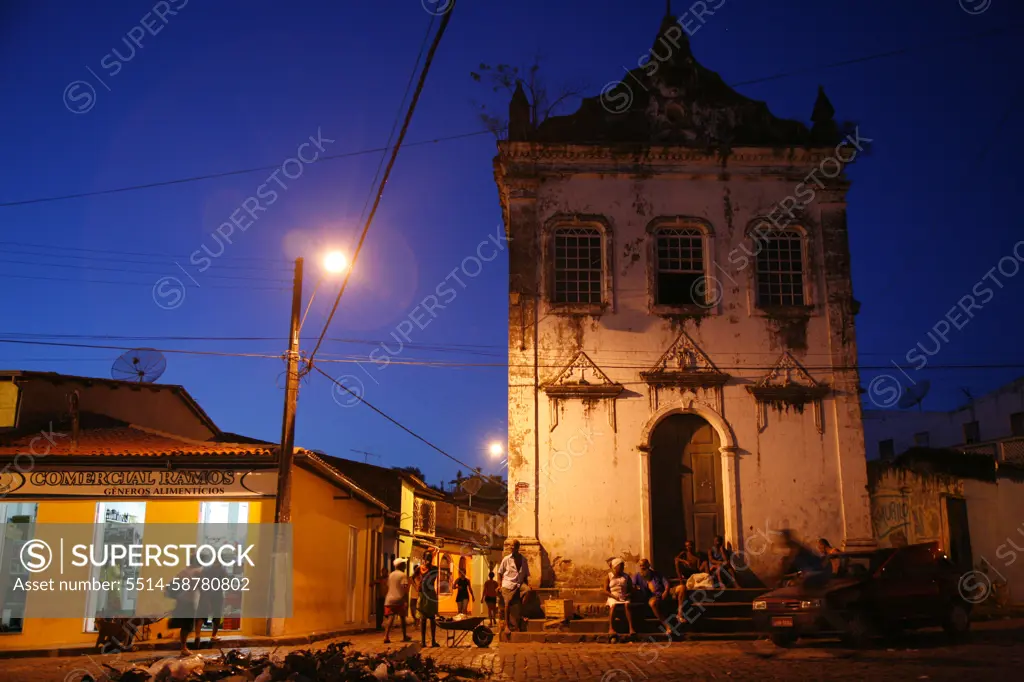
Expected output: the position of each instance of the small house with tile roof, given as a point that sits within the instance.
(125, 459)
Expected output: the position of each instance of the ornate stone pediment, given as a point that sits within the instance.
(787, 385)
(582, 379)
(685, 366)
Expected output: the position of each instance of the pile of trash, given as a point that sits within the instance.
(331, 664)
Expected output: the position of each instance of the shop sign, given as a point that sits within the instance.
(138, 483)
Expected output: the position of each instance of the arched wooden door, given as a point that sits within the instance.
(685, 486)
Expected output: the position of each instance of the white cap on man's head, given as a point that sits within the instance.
(400, 562)
(617, 562)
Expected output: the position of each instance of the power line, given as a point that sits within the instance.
(210, 176)
(880, 55)
(407, 429)
(138, 272)
(124, 283)
(387, 172)
(49, 248)
(114, 258)
(751, 367)
(447, 138)
(126, 348)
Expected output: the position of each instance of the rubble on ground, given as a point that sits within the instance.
(332, 664)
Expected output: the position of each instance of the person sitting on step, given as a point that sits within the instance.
(719, 563)
(619, 589)
(651, 588)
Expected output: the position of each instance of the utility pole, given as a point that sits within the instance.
(283, 502)
(283, 508)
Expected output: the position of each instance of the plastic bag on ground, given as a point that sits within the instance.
(381, 673)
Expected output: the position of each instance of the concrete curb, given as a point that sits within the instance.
(172, 645)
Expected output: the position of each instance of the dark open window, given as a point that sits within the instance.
(680, 267)
(1017, 424)
(886, 449)
(972, 432)
(780, 268)
(578, 265)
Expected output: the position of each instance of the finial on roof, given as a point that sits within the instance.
(519, 123)
(824, 129)
(823, 109)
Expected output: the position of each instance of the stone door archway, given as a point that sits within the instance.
(685, 483)
(725, 472)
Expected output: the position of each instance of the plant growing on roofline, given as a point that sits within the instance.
(503, 78)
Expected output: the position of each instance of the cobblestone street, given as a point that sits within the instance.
(995, 649)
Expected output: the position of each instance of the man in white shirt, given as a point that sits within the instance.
(513, 573)
(396, 603)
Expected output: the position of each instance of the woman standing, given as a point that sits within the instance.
(463, 593)
(184, 590)
(414, 594)
(428, 599)
(491, 598)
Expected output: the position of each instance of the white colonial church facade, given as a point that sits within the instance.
(682, 359)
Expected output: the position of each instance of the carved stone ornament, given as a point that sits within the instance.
(686, 367)
(582, 380)
(788, 385)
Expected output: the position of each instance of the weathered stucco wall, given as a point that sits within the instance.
(580, 488)
(907, 508)
(996, 516)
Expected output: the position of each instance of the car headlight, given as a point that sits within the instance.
(760, 605)
(812, 604)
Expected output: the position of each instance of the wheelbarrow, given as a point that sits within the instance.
(456, 631)
(118, 634)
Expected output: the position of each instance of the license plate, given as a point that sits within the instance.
(782, 622)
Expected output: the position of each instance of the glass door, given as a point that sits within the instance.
(217, 520)
(117, 523)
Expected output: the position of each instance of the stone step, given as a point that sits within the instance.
(702, 623)
(603, 638)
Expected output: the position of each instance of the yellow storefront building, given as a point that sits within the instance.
(122, 456)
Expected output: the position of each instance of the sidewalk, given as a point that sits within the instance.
(171, 644)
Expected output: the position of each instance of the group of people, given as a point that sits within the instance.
(697, 570)
(401, 594)
(199, 596)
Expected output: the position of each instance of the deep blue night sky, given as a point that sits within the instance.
(231, 85)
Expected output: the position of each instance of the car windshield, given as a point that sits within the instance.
(859, 566)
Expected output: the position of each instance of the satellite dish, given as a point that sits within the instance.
(472, 485)
(142, 365)
(914, 395)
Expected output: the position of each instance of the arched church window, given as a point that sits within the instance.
(780, 268)
(679, 253)
(579, 265)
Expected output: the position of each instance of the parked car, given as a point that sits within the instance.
(872, 593)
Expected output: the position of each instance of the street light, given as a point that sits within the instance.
(335, 262)
(496, 449)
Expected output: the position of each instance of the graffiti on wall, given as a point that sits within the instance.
(899, 519)
(890, 515)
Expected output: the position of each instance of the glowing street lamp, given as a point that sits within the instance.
(335, 262)
(496, 449)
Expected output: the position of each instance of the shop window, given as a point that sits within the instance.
(444, 575)
(972, 432)
(17, 521)
(117, 523)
